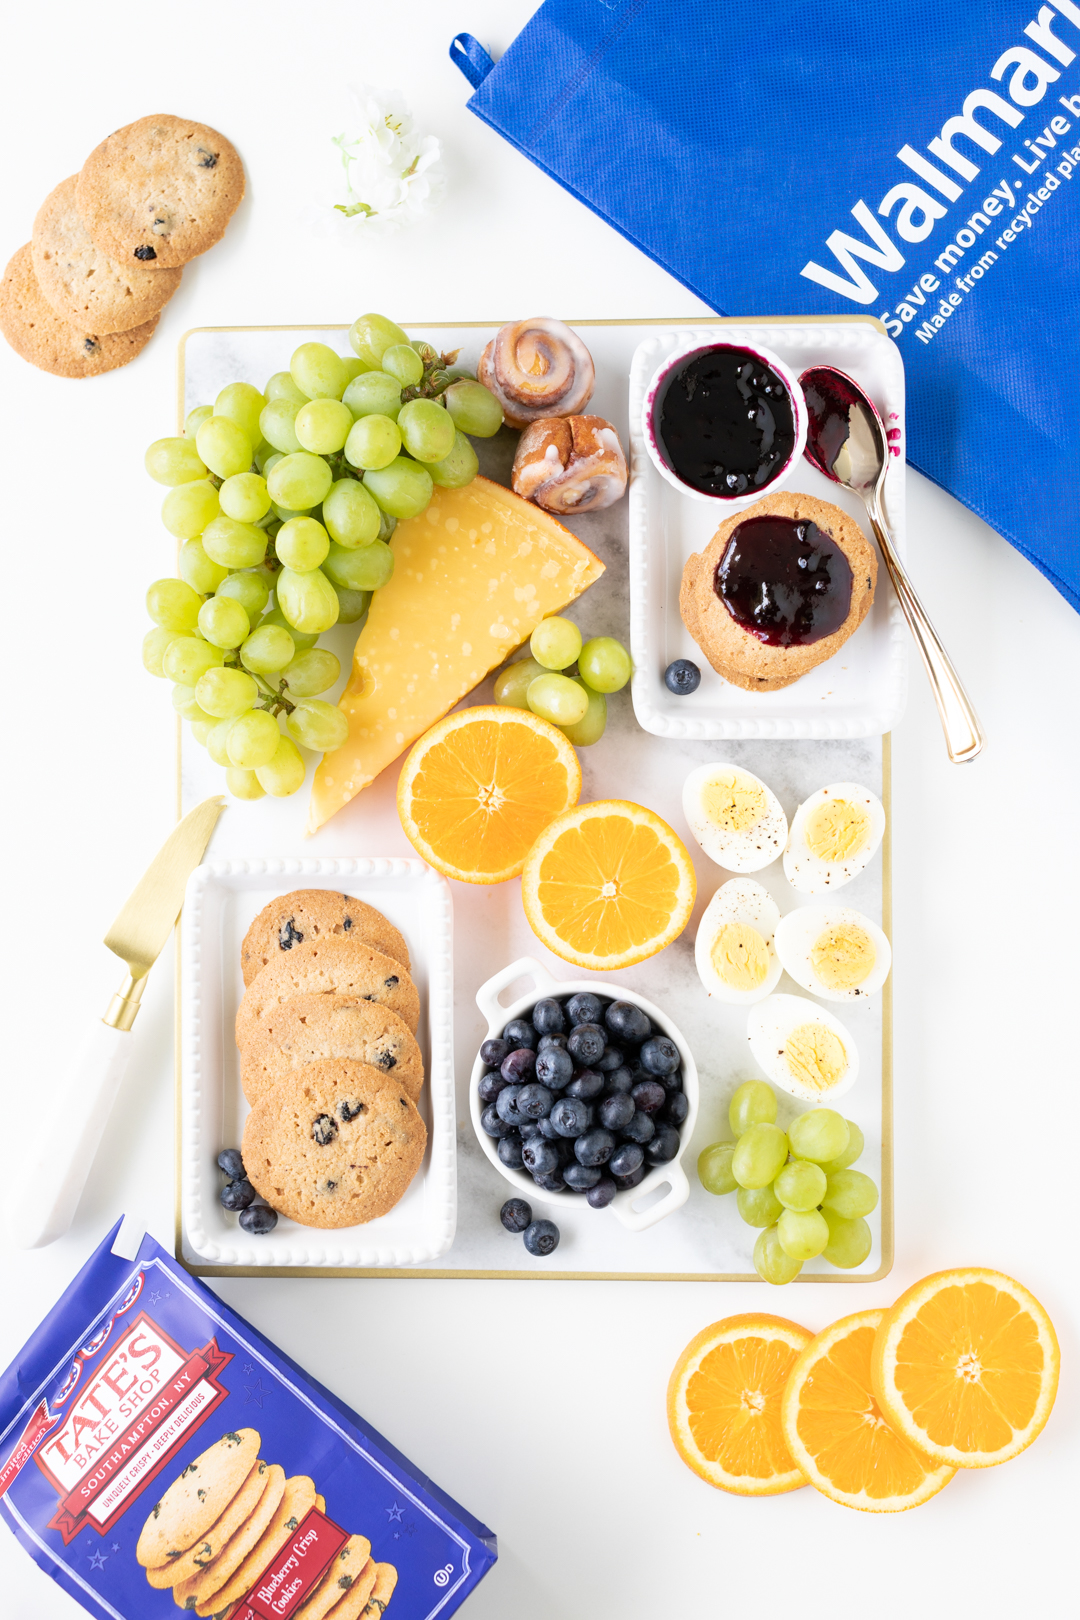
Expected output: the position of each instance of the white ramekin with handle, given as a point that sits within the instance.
(623, 1205)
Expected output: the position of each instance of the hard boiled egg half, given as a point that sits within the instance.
(834, 952)
(803, 1048)
(734, 950)
(735, 818)
(836, 832)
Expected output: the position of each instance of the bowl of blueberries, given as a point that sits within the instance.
(583, 1089)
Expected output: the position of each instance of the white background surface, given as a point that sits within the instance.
(539, 1407)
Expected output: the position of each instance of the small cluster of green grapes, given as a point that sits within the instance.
(293, 494)
(798, 1185)
(576, 703)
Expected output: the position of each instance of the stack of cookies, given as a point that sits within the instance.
(329, 1060)
(85, 294)
(222, 1525)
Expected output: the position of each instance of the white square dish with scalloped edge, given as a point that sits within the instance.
(223, 899)
(861, 690)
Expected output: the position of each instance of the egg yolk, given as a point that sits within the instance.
(732, 801)
(740, 956)
(836, 830)
(842, 957)
(815, 1056)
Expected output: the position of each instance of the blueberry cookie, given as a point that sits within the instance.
(160, 191)
(84, 286)
(342, 967)
(298, 1498)
(261, 1486)
(382, 1592)
(328, 1026)
(310, 914)
(349, 1565)
(359, 1594)
(334, 1144)
(195, 1501)
(37, 333)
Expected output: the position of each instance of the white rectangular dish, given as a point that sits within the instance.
(861, 691)
(223, 898)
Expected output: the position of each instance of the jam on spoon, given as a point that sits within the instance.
(784, 580)
(727, 425)
(831, 399)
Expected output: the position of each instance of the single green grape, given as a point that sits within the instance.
(850, 1241)
(512, 683)
(374, 393)
(318, 371)
(402, 488)
(198, 570)
(318, 725)
(850, 1194)
(473, 408)
(307, 600)
(802, 1234)
(759, 1155)
(277, 425)
(593, 723)
(800, 1185)
(233, 544)
(302, 639)
(226, 692)
(251, 590)
(555, 643)
(714, 1168)
(604, 664)
(224, 447)
(267, 649)
(281, 386)
(427, 430)
(173, 605)
(188, 659)
(195, 418)
(266, 457)
(302, 544)
(253, 739)
(366, 568)
(759, 1206)
(373, 442)
(187, 509)
(175, 461)
(300, 482)
(353, 366)
(243, 784)
(558, 699)
(457, 469)
(200, 730)
(311, 672)
(244, 497)
(403, 364)
(242, 404)
(186, 704)
(352, 605)
(821, 1135)
(771, 1263)
(285, 771)
(852, 1152)
(351, 514)
(753, 1103)
(156, 642)
(223, 622)
(322, 425)
(371, 335)
(216, 739)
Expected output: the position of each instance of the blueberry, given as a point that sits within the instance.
(493, 1052)
(600, 1196)
(529, 1128)
(539, 1158)
(595, 1147)
(676, 1108)
(610, 1060)
(489, 1086)
(542, 1237)
(649, 1096)
(549, 1043)
(624, 1183)
(570, 1116)
(627, 1022)
(586, 1084)
(519, 1032)
(548, 1017)
(616, 1111)
(585, 1008)
(664, 1145)
(660, 1055)
(640, 1129)
(670, 1082)
(627, 1158)
(258, 1219)
(682, 677)
(230, 1161)
(586, 1043)
(620, 1079)
(580, 1177)
(236, 1195)
(509, 1151)
(506, 1105)
(547, 1130)
(564, 1146)
(492, 1122)
(554, 1068)
(515, 1215)
(518, 1065)
(551, 1181)
(534, 1100)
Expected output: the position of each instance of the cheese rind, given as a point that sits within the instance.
(473, 577)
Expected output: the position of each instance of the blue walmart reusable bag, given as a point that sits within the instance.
(908, 160)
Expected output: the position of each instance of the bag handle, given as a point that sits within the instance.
(471, 58)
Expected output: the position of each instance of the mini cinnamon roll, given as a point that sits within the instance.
(570, 464)
(537, 368)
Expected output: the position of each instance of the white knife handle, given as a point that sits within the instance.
(47, 1190)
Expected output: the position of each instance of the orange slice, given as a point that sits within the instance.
(480, 786)
(836, 1432)
(608, 884)
(723, 1404)
(966, 1367)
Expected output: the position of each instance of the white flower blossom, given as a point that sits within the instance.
(392, 174)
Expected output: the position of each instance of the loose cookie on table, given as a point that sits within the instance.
(207, 1548)
(307, 915)
(37, 333)
(198, 1498)
(84, 286)
(160, 191)
(342, 967)
(325, 1026)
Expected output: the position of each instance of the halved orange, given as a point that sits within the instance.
(723, 1404)
(836, 1431)
(965, 1366)
(608, 884)
(479, 787)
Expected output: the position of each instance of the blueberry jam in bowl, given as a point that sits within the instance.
(584, 1095)
(724, 422)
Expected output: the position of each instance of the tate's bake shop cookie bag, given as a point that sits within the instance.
(157, 1452)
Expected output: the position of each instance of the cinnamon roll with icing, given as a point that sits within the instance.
(569, 464)
(536, 368)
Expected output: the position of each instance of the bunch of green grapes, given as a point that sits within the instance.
(285, 502)
(576, 703)
(797, 1186)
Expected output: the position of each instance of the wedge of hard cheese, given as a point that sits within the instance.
(472, 579)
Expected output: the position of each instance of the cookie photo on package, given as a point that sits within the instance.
(157, 1452)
